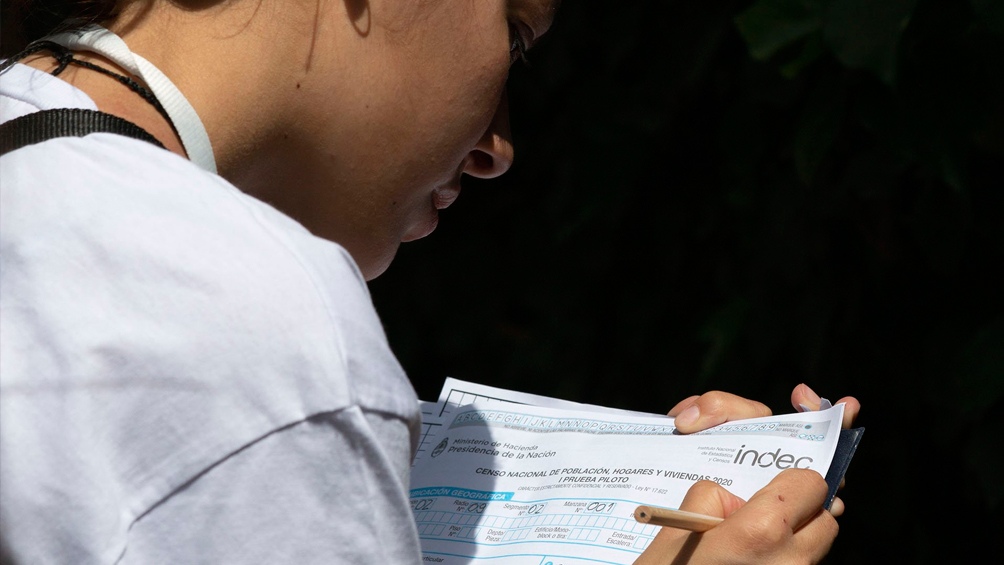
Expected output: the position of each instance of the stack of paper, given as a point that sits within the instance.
(538, 480)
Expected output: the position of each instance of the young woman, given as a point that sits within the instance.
(192, 370)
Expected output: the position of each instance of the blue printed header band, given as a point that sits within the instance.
(461, 493)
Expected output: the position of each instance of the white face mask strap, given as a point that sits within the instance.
(186, 121)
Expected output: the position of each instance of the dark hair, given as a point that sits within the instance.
(24, 21)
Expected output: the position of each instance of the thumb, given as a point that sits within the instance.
(710, 498)
(705, 497)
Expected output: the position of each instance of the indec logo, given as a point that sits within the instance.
(770, 458)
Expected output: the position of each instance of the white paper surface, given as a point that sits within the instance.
(536, 480)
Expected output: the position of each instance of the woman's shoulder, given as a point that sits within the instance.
(129, 223)
(24, 89)
(162, 302)
(172, 245)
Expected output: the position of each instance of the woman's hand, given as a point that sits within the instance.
(713, 408)
(784, 522)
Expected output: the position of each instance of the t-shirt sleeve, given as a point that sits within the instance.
(324, 490)
(187, 375)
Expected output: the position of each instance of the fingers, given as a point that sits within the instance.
(782, 523)
(786, 518)
(713, 408)
(837, 507)
(711, 499)
(680, 406)
(672, 545)
(796, 495)
(816, 537)
(851, 409)
(803, 396)
(698, 413)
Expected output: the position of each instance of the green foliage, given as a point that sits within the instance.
(861, 34)
(771, 25)
(864, 34)
(742, 196)
(990, 13)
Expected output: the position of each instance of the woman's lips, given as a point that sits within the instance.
(444, 196)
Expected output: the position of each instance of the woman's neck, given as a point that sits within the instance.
(231, 61)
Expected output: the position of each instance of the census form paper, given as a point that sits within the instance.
(457, 393)
(547, 484)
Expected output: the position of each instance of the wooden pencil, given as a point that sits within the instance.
(675, 518)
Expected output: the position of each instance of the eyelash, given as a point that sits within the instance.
(517, 43)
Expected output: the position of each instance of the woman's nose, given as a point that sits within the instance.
(493, 154)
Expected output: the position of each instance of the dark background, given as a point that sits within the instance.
(744, 196)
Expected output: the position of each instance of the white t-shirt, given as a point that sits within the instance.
(186, 375)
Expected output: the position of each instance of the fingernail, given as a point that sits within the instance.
(805, 408)
(837, 507)
(813, 397)
(688, 416)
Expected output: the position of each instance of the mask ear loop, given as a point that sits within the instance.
(63, 56)
(31, 49)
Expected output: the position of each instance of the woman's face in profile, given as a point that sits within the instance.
(418, 101)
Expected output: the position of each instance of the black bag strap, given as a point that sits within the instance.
(66, 122)
(72, 122)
